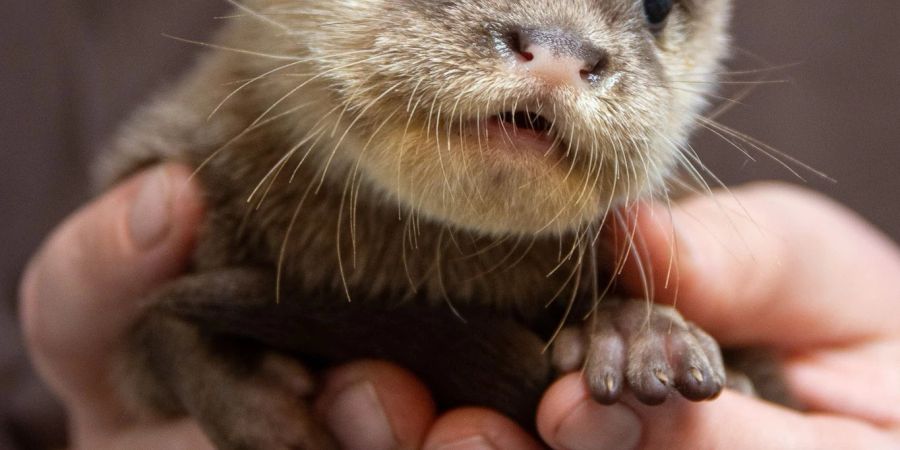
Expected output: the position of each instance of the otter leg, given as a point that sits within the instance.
(647, 347)
(243, 396)
(481, 360)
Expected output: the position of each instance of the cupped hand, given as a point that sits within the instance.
(769, 265)
(81, 294)
(776, 267)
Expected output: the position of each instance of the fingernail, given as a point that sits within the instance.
(358, 421)
(592, 426)
(471, 443)
(150, 216)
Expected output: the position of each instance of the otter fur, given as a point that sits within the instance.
(424, 182)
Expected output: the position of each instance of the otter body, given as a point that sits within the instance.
(423, 182)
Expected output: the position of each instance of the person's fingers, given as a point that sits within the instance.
(770, 264)
(371, 405)
(778, 266)
(860, 380)
(82, 290)
(478, 429)
(569, 419)
(180, 435)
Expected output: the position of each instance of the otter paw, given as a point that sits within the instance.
(268, 410)
(649, 348)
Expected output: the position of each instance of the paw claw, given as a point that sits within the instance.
(697, 375)
(655, 350)
(662, 377)
(610, 383)
(606, 389)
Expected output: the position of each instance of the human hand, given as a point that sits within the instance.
(772, 266)
(78, 301)
(80, 296)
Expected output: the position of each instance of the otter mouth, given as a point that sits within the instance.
(528, 121)
(519, 133)
(523, 130)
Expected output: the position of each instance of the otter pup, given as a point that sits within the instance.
(421, 181)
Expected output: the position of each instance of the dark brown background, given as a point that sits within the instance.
(840, 111)
(71, 70)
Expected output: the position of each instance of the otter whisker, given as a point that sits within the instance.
(256, 15)
(567, 280)
(411, 109)
(235, 50)
(448, 190)
(248, 83)
(356, 172)
(767, 150)
(502, 261)
(569, 306)
(309, 80)
(440, 275)
(673, 254)
(337, 246)
(774, 68)
(449, 136)
(359, 116)
(272, 173)
(727, 100)
(689, 158)
(351, 102)
(283, 251)
(206, 161)
(729, 141)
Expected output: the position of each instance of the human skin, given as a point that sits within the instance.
(771, 265)
(767, 265)
(79, 297)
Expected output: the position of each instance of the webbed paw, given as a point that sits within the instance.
(649, 348)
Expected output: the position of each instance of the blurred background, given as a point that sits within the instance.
(838, 109)
(71, 71)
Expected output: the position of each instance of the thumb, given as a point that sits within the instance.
(569, 419)
(79, 293)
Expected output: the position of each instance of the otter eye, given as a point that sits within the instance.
(657, 11)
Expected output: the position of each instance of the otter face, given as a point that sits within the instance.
(505, 116)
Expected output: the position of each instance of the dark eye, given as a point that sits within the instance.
(657, 11)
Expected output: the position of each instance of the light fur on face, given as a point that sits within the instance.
(397, 92)
(344, 142)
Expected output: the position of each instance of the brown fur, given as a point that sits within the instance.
(341, 148)
(394, 190)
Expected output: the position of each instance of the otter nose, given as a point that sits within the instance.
(558, 56)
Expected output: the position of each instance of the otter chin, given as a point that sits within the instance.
(511, 174)
(422, 182)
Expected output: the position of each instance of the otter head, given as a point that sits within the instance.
(500, 116)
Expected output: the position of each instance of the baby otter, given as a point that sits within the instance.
(421, 181)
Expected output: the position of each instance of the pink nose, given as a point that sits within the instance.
(558, 57)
